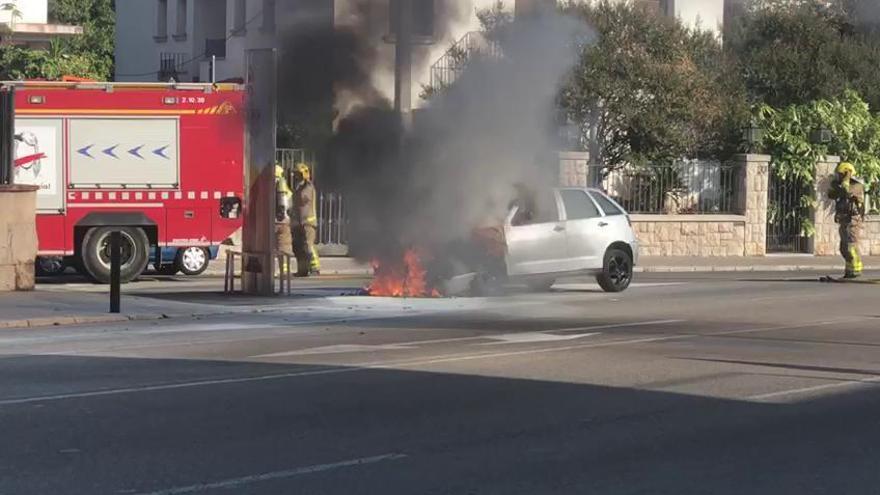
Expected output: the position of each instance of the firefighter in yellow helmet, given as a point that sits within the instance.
(304, 222)
(283, 203)
(848, 194)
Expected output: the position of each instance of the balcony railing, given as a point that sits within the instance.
(172, 65)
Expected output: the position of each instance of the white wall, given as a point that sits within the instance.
(136, 52)
(32, 11)
(705, 14)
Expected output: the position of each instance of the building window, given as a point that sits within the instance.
(239, 18)
(161, 20)
(180, 32)
(268, 16)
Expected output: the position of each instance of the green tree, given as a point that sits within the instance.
(855, 133)
(649, 89)
(795, 52)
(89, 55)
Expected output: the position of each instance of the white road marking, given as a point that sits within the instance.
(401, 364)
(274, 475)
(816, 388)
(595, 287)
(337, 349)
(533, 337)
(504, 337)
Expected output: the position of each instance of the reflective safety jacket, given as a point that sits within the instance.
(849, 199)
(304, 199)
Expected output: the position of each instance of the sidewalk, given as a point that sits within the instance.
(52, 306)
(656, 264)
(769, 263)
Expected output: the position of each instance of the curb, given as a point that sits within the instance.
(745, 268)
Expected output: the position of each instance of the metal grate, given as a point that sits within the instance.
(448, 68)
(688, 187)
(172, 65)
(331, 209)
(788, 211)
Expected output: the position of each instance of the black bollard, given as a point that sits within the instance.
(115, 239)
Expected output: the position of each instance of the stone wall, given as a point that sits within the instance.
(739, 234)
(573, 168)
(18, 237)
(690, 235)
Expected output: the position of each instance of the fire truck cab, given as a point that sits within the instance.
(162, 163)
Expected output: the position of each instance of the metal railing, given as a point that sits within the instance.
(332, 219)
(331, 209)
(688, 187)
(449, 67)
(172, 65)
(789, 208)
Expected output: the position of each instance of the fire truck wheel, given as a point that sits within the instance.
(133, 253)
(192, 260)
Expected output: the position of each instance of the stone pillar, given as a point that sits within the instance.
(752, 201)
(18, 236)
(826, 240)
(573, 168)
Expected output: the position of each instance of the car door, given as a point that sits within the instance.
(619, 228)
(537, 245)
(586, 229)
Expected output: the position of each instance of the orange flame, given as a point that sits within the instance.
(403, 278)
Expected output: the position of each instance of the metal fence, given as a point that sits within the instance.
(332, 219)
(447, 69)
(688, 187)
(789, 209)
(332, 214)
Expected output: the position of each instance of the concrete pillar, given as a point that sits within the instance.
(752, 201)
(18, 230)
(573, 168)
(826, 240)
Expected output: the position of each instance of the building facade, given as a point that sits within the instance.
(26, 23)
(165, 39)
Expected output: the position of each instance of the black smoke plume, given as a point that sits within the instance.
(455, 169)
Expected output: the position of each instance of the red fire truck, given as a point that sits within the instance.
(163, 163)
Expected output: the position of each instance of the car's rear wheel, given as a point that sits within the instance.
(192, 260)
(133, 248)
(617, 271)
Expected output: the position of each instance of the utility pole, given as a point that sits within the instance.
(258, 234)
(403, 61)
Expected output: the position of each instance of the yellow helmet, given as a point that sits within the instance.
(279, 171)
(846, 168)
(303, 170)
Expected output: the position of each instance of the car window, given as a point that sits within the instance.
(540, 208)
(607, 206)
(578, 205)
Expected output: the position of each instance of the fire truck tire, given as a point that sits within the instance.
(192, 260)
(96, 253)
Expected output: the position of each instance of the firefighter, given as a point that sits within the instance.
(848, 194)
(283, 202)
(304, 223)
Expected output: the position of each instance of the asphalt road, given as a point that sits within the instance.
(699, 384)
